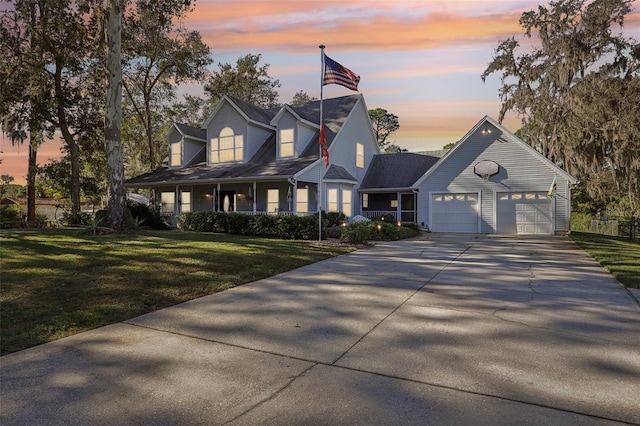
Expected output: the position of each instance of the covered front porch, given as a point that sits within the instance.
(400, 204)
(248, 197)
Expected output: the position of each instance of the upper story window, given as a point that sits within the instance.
(360, 155)
(286, 143)
(226, 147)
(176, 154)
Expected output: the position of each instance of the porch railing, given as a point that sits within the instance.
(265, 213)
(406, 215)
(370, 214)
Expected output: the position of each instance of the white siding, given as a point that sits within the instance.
(190, 149)
(304, 137)
(256, 136)
(228, 116)
(520, 171)
(342, 152)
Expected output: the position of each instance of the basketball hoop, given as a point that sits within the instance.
(486, 169)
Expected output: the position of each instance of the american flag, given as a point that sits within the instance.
(334, 73)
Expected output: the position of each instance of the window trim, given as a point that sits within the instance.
(302, 200)
(175, 154)
(290, 144)
(359, 155)
(273, 206)
(236, 149)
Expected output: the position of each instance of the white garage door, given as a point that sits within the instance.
(524, 213)
(454, 212)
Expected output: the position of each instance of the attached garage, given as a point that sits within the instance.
(454, 212)
(524, 213)
(492, 182)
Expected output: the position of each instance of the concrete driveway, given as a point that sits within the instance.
(444, 329)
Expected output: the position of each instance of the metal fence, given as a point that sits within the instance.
(621, 227)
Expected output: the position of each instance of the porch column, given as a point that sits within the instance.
(399, 207)
(255, 198)
(218, 198)
(176, 205)
(294, 198)
(214, 194)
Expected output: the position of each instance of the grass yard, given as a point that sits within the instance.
(620, 256)
(58, 282)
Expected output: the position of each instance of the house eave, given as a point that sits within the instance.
(384, 190)
(209, 181)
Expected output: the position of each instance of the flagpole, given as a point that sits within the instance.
(320, 147)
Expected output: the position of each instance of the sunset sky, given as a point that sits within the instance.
(421, 59)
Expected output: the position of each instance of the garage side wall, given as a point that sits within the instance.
(521, 170)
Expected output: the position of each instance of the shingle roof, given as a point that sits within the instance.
(338, 173)
(263, 164)
(399, 170)
(192, 131)
(334, 110)
(255, 113)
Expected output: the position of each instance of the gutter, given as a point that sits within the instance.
(382, 190)
(208, 182)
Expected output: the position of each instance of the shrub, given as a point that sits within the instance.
(387, 218)
(76, 217)
(335, 231)
(11, 213)
(142, 215)
(294, 227)
(333, 219)
(357, 233)
(581, 222)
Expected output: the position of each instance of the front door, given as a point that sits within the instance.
(228, 201)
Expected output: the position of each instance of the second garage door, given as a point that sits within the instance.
(454, 212)
(524, 213)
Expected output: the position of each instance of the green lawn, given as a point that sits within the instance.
(620, 256)
(58, 282)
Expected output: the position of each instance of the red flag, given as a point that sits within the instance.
(323, 144)
(334, 73)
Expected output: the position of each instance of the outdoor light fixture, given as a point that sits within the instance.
(486, 132)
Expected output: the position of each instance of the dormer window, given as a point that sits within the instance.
(176, 154)
(227, 147)
(287, 148)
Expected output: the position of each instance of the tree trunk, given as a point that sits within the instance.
(113, 117)
(35, 140)
(152, 153)
(72, 146)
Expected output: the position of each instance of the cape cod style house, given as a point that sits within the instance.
(266, 161)
(256, 161)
